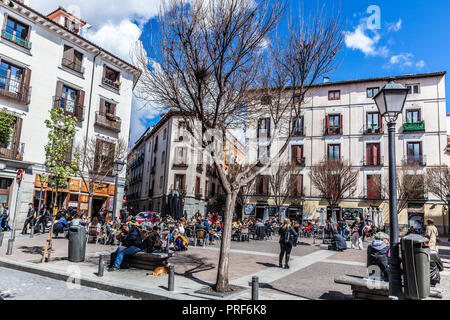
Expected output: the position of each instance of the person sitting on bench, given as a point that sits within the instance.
(153, 242)
(377, 257)
(339, 243)
(131, 244)
(60, 225)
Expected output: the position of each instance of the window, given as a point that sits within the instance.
(334, 125)
(197, 185)
(334, 95)
(262, 185)
(374, 122)
(266, 100)
(372, 92)
(297, 98)
(165, 134)
(213, 189)
(374, 187)
(161, 182)
(163, 157)
(334, 152)
(263, 153)
(414, 152)
(373, 154)
(413, 88)
(299, 127)
(413, 116)
(73, 59)
(107, 109)
(111, 77)
(206, 188)
(179, 182)
(181, 128)
(156, 144)
(69, 99)
(10, 77)
(297, 186)
(297, 156)
(180, 156)
(17, 32)
(264, 128)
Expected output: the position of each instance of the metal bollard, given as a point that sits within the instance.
(101, 265)
(255, 288)
(32, 231)
(171, 277)
(10, 247)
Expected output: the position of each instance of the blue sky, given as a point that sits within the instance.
(411, 39)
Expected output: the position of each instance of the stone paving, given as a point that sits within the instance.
(311, 275)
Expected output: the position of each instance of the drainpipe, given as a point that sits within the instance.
(90, 105)
(169, 125)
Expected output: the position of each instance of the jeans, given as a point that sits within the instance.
(285, 250)
(342, 232)
(27, 221)
(121, 252)
(356, 241)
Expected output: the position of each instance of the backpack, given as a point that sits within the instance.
(287, 238)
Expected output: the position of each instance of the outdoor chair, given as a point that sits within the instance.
(244, 235)
(252, 232)
(218, 236)
(200, 235)
(235, 235)
(93, 234)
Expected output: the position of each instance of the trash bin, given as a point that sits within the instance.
(416, 267)
(77, 243)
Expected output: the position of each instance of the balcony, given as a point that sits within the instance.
(13, 153)
(333, 130)
(15, 90)
(300, 163)
(373, 163)
(108, 121)
(17, 40)
(179, 166)
(199, 168)
(414, 127)
(111, 83)
(198, 194)
(373, 129)
(415, 159)
(299, 132)
(70, 107)
(75, 66)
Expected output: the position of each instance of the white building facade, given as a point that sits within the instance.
(46, 64)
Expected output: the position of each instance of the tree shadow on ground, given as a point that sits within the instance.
(199, 265)
(268, 265)
(304, 244)
(336, 295)
(32, 250)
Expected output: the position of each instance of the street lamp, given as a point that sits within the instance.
(448, 215)
(118, 166)
(390, 102)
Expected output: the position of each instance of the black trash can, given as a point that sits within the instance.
(77, 243)
(416, 267)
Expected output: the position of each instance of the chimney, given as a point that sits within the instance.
(326, 79)
(67, 20)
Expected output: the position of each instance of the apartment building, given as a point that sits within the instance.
(340, 120)
(45, 64)
(167, 158)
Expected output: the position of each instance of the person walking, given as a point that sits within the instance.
(5, 218)
(31, 216)
(431, 233)
(357, 230)
(287, 238)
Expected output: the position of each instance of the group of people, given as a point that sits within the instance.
(357, 231)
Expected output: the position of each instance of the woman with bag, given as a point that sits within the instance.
(287, 236)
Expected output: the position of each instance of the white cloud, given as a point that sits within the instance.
(420, 64)
(395, 27)
(141, 114)
(406, 60)
(361, 40)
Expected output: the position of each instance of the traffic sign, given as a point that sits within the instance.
(19, 176)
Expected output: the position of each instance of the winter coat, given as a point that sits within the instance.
(377, 255)
(436, 266)
(340, 242)
(287, 235)
(132, 238)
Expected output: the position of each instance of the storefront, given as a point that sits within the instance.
(416, 217)
(75, 196)
(5, 188)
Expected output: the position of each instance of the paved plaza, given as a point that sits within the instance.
(311, 274)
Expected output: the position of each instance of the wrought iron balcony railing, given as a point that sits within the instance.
(15, 90)
(78, 67)
(110, 121)
(414, 127)
(70, 106)
(17, 40)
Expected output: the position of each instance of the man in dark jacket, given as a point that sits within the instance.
(131, 244)
(339, 243)
(153, 241)
(377, 256)
(31, 215)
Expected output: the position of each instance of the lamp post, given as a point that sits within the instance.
(390, 102)
(118, 166)
(448, 216)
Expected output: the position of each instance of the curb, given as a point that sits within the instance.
(97, 283)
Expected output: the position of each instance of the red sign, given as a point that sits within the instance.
(19, 176)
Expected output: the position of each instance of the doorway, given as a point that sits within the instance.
(97, 204)
(260, 212)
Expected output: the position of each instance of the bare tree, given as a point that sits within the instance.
(410, 185)
(438, 182)
(284, 184)
(335, 180)
(95, 163)
(213, 61)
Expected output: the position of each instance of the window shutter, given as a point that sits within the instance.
(59, 89)
(299, 154)
(113, 108)
(380, 121)
(259, 127)
(341, 124)
(293, 154)
(98, 152)
(104, 71)
(265, 185)
(15, 140)
(26, 83)
(102, 106)
(327, 124)
(268, 127)
(80, 107)
(68, 53)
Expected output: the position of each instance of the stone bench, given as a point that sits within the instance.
(364, 288)
(149, 261)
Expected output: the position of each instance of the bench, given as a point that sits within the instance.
(364, 288)
(149, 261)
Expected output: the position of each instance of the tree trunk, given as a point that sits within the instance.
(48, 245)
(222, 284)
(91, 196)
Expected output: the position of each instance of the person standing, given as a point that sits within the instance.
(357, 230)
(31, 216)
(432, 234)
(342, 227)
(102, 215)
(287, 236)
